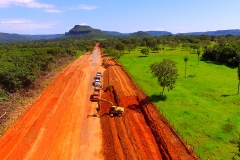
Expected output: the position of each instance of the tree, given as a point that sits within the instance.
(130, 47)
(120, 47)
(166, 73)
(89, 48)
(145, 51)
(185, 60)
(156, 48)
(238, 71)
(115, 54)
(198, 53)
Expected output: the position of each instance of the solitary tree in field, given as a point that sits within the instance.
(238, 71)
(185, 60)
(156, 48)
(166, 73)
(145, 51)
(198, 53)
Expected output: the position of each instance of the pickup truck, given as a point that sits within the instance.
(95, 96)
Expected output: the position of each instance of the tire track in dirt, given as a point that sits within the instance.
(51, 128)
(117, 80)
(142, 132)
(125, 140)
(130, 134)
(37, 147)
(124, 84)
(125, 88)
(66, 126)
(34, 112)
(146, 138)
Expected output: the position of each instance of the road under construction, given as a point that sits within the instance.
(62, 122)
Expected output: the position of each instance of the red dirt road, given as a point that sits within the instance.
(59, 124)
(62, 124)
(142, 132)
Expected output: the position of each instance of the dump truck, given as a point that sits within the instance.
(114, 110)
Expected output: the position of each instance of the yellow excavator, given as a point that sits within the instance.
(114, 110)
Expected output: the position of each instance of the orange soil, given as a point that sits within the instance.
(61, 124)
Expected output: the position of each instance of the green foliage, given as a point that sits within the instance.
(225, 53)
(139, 34)
(196, 106)
(22, 63)
(186, 60)
(156, 48)
(145, 51)
(89, 48)
(115, 54)
(166, 73)
(238, 73)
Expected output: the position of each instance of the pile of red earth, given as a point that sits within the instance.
(141, 132)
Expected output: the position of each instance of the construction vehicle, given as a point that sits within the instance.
(97, 77)
(95, 96)
(96, 88)
(114, 110)
(97, 84)
(99, 74)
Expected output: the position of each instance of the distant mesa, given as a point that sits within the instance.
(140, 34)
(82, 29)
(234, 32)
(150, 33)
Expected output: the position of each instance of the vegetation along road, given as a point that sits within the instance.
(57, 125)
(62, 123)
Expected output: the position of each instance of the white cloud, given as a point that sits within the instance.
(24, 3)
(179, 29)
(83, 24)
(156, 29)
(25, 25)
(87, 7)
(52, 11)
(19, 21)
(159, 29)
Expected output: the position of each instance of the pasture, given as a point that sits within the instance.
(204, 107)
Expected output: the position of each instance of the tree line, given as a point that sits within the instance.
(221, 49)
(218, 49)
(23, 62)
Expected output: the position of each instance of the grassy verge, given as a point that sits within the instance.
(203, 107)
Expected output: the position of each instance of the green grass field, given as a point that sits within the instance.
(204, 107)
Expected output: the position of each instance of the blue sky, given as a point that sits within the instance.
(125, 16)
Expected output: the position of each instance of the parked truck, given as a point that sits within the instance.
(95, 96)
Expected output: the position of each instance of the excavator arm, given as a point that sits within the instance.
(104, 100)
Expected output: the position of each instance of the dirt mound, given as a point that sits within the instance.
(142, 132)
